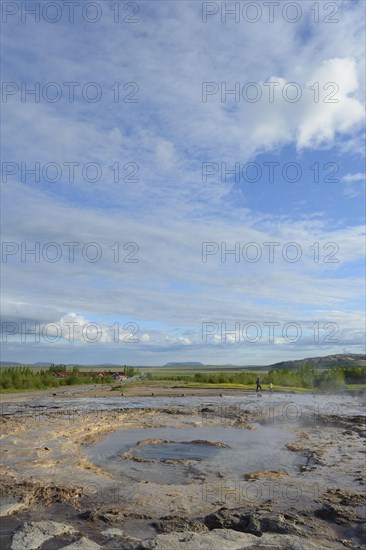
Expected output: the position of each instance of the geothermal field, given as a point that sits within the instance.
(86, 470)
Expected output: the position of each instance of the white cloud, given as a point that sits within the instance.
(180, 340)
(334, 110)
(354, 177)
(355, 185)
(170, 212)
(165, 155)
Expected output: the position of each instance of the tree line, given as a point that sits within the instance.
(25, 378)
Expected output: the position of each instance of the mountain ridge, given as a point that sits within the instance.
(326, 361)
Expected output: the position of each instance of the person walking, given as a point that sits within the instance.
(271, 387)
(258, 383)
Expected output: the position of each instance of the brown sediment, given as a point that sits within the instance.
(151, 441)
(296, 447)
(211, 443)
(265, 474)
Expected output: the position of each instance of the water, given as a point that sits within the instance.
(304, 403)
(246, 450)
(170, 450)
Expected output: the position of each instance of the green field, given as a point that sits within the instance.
(304, 378)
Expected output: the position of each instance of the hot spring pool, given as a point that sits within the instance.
(172, 455)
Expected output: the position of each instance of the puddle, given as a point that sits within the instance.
(195, 453)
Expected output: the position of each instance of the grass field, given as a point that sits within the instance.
(305, 378)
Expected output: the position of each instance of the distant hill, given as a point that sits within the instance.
(186, 364)
(327, 362)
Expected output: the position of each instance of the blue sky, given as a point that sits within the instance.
(149, 237)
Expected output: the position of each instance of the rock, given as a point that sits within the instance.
(170, 524)
(255, 523)
(109, 518)
(8, 506)
(222, 519)
(31, 535)
(88, 515)
(345, 497)
(336, 514)
(119, 540)
(82, 544)
(234, 519)
(112, 533)
(277, 524)
(251, 524)
(341, 506)
(229, 540)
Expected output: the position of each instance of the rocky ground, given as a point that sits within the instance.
(54, 497)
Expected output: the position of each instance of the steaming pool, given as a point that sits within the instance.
(170, 455)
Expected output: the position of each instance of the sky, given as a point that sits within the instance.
(182, 181)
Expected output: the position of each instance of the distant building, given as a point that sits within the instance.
(119, 376)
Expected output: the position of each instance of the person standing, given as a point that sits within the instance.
(271, 387)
